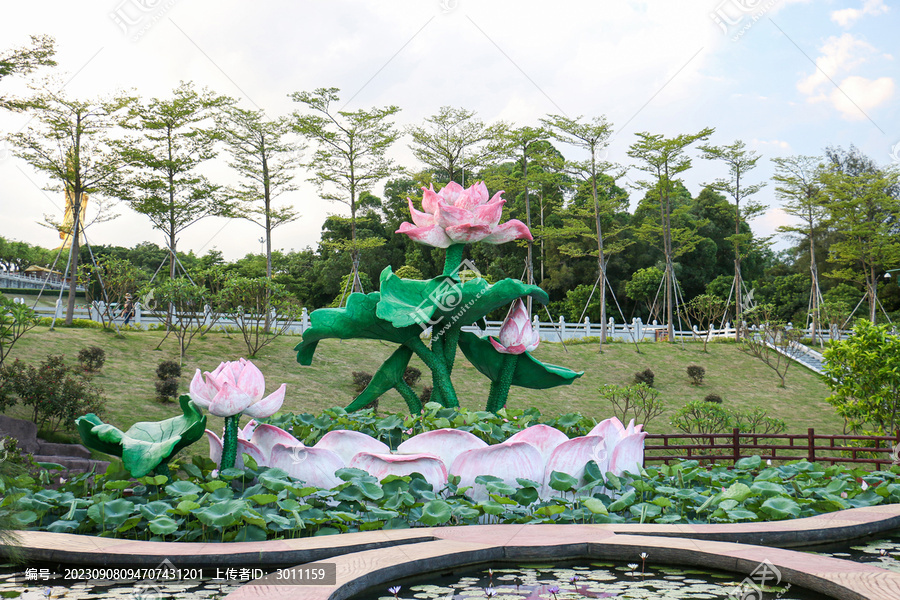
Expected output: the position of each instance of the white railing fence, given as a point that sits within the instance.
(550, 331)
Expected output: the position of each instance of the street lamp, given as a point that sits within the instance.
(887, 274)
(262, 247)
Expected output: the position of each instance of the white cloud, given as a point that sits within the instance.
(839, 54)
(857, 95)
(845, 17)
(766, 144)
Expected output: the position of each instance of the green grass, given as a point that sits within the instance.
(743, 381)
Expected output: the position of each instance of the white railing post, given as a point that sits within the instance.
(562, 327)
(137, 315)
(587, 327)
(304, 320)
(611, 328)
(58, 312)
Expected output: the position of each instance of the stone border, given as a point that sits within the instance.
(98, 551)
(461, 547)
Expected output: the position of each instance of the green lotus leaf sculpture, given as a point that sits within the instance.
(145, 447)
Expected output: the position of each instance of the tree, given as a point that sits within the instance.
(70, 143)
(350, 155)
(16, 318)
(455, 141)
(265, 162)
(772, 341)
(188, 308)
(664, 158)
(799, 187)
(862, 203)
(644, 287)
(24, 60)
(740, 161)
(114, 278)
(864, 376)
(593, 137)
(254, 304)
(704, 310)
(161, 179)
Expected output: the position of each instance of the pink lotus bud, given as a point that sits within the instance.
(461, 216)
(233, 388)
(516, 333)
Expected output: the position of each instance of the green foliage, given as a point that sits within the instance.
(168, 369)
(709, 416)
(771, 341)
(188, 308)
(167, 374)
(262, 309)
(645, 377)
(864, 375)
(696, 373)
(16, 319)
(639, 402)
(409, 272)
(360, 380)
(714, 398)
(265, 503)
(92, 359)
(56, 392)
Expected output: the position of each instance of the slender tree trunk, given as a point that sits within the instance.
(77, 196)
(738, 282)
(268, 200)
(542, 237)
(530, 264)
(601, 261)
(670, 267)
(814, 276)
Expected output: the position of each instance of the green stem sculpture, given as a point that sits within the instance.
(229, 442)
(500, 388)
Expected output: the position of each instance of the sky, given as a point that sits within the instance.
(785, 76)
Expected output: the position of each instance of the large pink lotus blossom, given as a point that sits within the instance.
(233, 388)
(516, 334)
(461, 216)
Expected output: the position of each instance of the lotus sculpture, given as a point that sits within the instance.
(533, 453)
(403, 309)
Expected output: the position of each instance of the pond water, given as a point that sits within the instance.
(16, 582)
(883, 551)
(588, 580)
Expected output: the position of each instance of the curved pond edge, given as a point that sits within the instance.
(461, 547)
(42, 546)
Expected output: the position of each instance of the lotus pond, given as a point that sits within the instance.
(579, 581)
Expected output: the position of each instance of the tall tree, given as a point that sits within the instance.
(24, 60)
(265, 160)
(455, 141)
(350, 155)
(740, 161)
(664, 158)
(592, 136)
(798, 186)
(863, 204)
(70, 142)
(162, 179)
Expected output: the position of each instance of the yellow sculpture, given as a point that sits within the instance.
(68, 223)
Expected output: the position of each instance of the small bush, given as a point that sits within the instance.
(411, 376)
(168, 369)
(645, 376)
(702, 417)
(360, 380)
(696, 373)
(425, 396)
(167, 389)
(714, 398)
(92, 359)
(56, 393)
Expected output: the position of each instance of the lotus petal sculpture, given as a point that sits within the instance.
(506, 461)
(446, 444)
(381, 465)
(516, 333)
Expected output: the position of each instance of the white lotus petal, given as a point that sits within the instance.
(265, 437)
(611, 429)
(446, 444)
(572, 456)
(347, 444)
(628, 455)
(507, 461)
(543, 437)
(315, 466)
(381, 465)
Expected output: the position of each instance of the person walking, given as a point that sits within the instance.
(128, 309)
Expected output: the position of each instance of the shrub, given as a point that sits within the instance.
(714, 398)
(361, 379)
(645, 376)
(411, 376)
(167, 389)
(425, 396)
(91, 358)
(56, 392)
(696, 373)
(702, 417)
(168, 369)
(639, 402)
(167, 374)
(758, 421)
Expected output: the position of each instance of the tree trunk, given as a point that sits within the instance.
(73, 252)
(600, 258)
(814, 276)
(738, 282)
(530, 264)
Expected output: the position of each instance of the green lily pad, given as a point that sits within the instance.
(145, 446)
(356, 320)
(530, 372)
(407, 302)
(780, 508)
(435, 512)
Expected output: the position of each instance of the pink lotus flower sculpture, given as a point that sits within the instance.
(516, 334)
(234, 388)
(461, 216)
(533, 454)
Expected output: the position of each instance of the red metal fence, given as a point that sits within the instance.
(784, 446)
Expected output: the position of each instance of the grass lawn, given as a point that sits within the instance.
(743, 381)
